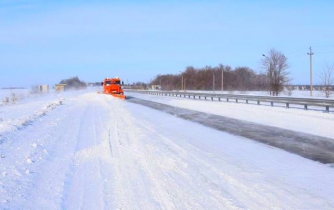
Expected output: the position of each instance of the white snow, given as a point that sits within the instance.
(83, 150)
(316, 121)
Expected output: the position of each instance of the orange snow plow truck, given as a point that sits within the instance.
(113, 87)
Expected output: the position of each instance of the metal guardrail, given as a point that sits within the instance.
(306, 102)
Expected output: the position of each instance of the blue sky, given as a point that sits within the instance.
(42, 42)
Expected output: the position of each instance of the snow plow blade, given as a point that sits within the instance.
(119, 96)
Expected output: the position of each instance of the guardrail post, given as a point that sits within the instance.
(194, 96)
(305, 106)
(287, 105)
(272, 103)
(199, 97)
(258, 102)
(327, 108)
(211, 98)
(205, 97)
(246, 101)
(236, 100)
(227, 99)
(218, 99)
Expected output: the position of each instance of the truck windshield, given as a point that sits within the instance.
(113, 82)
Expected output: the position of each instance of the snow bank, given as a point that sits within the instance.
(13, 124)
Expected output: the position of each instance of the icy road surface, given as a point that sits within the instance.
(93, 151)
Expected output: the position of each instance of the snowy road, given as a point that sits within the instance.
(314, 147)
(99, 152)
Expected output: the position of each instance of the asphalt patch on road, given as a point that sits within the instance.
(306, 145)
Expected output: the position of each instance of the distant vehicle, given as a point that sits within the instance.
(113, 87)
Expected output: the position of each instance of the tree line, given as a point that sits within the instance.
(210, 78)
(272, 78)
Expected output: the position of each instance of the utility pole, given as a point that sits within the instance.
(222, 80)
(182, 83)
(213, 82)
(311, 86)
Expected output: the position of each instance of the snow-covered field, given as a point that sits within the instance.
(83, 150)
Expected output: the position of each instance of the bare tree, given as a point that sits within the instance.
(327, 79)
(276, 66)
(244, 78)
(261, 81)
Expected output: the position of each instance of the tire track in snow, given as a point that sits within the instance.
(125, 192)
(180, 157)
(167, 191)
(72, 198)
(107, 171)
(133, 185)
(91, 153)
(157, 168)
(200, 165)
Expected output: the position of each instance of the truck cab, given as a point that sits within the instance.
(112, 86)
